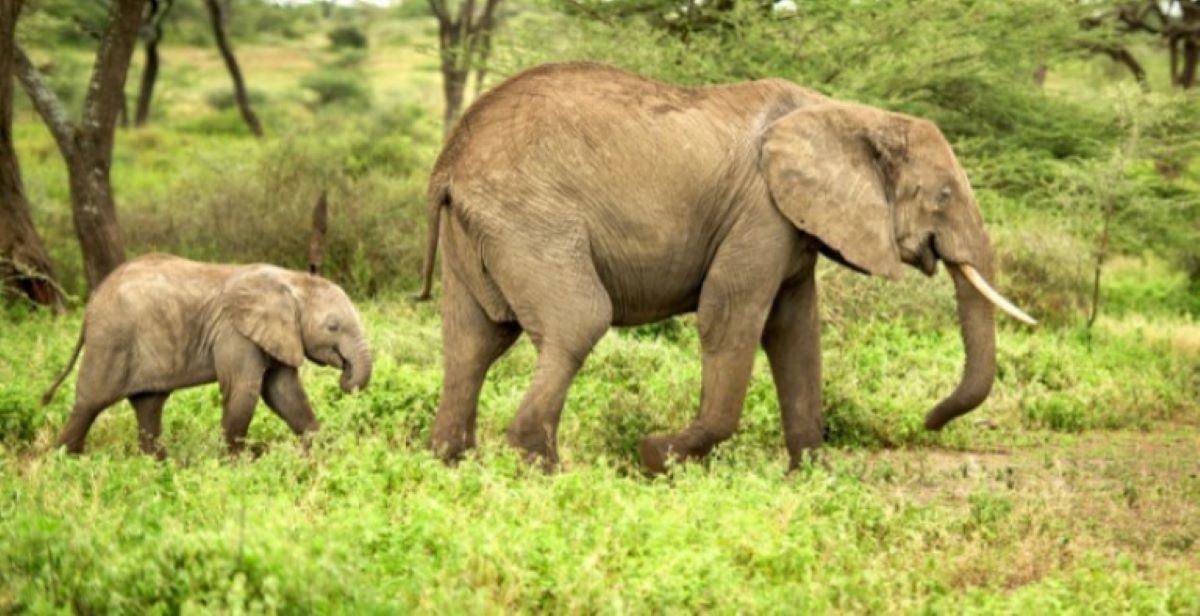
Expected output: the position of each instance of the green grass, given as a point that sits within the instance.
(1077, 495)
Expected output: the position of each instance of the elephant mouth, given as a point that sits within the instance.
(922, 254)
(929, 257)
(333, 358)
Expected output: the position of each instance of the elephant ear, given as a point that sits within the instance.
(827, 168)
(262, 307)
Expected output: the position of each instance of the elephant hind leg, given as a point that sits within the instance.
(472, 343)
(78, 425)
(100, 384)
(565, 308)
(148, 407)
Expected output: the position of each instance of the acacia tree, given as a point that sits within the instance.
(465, 43)
(1175, 23)
(87, 145)
(24, 264)
(217, 17)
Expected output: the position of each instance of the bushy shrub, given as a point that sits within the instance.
(1046, 270)
(256, 205)
(347, 36)
(341, 87)
(223, 99)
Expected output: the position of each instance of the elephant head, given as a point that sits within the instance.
(879, 190)
(292, 316)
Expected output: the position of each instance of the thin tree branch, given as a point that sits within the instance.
(46, 103)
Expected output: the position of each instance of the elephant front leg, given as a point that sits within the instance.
(730, 317)
(240, 368)
(726, 374)
(284, 394)
(792, 340)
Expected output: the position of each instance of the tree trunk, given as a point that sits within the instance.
(316, 241)
(454, 85)
(146, 88)
(235, 73)
(465, 43)
(1191, 57)
(24, 264)
(95, 216)
(87, 146)
(1039, 75)
(152, 36)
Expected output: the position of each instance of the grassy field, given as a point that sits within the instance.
(1074, 489)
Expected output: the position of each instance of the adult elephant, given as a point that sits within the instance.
(580, 196)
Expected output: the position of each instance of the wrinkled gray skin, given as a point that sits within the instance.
(579, 197)
(160, 323)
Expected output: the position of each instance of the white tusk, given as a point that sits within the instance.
(993, 296)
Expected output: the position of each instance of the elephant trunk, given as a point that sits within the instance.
(356, 371)
(976, 316)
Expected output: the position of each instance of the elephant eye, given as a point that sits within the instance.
(944, 196)
(333, 327)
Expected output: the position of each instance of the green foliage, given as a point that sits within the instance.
(347, 36)
(224, 99)
(337, 87)
(260, 209)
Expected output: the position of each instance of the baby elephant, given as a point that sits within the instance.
(161, 323)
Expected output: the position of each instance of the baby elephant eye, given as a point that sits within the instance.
(333, 327)
(944, 196)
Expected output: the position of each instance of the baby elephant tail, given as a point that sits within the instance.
(49, 395)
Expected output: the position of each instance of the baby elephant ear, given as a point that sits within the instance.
(826, 167)
(262, 307)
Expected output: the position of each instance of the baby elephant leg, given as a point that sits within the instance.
(240, 367)
(99, 385)
(149, 407)
(284, 393)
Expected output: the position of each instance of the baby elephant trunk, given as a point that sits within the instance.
(356, 371)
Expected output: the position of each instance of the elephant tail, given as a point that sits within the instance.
(439, 197)
(49, 395)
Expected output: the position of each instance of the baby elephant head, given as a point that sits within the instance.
(292, 316)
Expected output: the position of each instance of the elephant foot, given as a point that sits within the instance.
(158, 452)
(450, 454)
(255, 450)
(450, 441)
(534, 445)
(808, 458)
(658, 452)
